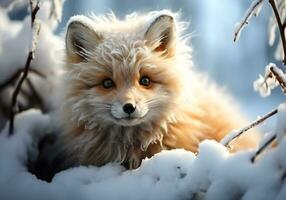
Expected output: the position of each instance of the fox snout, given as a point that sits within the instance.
(128, 113)
(128, 110)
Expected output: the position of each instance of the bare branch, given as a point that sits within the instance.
(36, 30)
(279, 76)
(253, 10)
(34, 5)
(263, 147)
(227, 140)
(281, 27)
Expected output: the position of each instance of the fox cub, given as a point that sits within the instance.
(130, 91)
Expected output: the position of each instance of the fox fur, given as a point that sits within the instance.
(178, 109)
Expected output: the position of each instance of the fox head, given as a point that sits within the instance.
(122, 73)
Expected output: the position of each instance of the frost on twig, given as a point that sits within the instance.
(272, 78)
(264, 84)
(279, 76)
(253, 10)
(276, 21)
(235, 134)
(34, 5)
(277, 135)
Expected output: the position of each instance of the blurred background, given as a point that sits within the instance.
(232, 65)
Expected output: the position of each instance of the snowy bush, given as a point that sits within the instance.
(213, 173)
(15, 44)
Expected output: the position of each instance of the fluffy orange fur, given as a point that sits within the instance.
(177, 108)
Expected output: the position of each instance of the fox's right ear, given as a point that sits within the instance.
(81, 39)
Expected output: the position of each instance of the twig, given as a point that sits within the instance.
(16, 75)
(249, 126)
(278, 74)
(36, 30)
(262, 148)
(249, 13)
(281, 27)
(34, 5)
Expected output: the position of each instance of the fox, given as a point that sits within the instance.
(131, 90)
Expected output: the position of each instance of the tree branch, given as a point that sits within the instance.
(278, 74)
(262, 148)
(227, 141)
(34, 4)
(252, 11)
(281, 28)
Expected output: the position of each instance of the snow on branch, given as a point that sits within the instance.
(253, 10)
(279, 15)
(277, 134)
(279, 76)
(235, 134)
(272, 78)
(264, 86)
(273, 75)
(34, 5)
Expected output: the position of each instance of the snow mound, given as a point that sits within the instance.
(213, 174)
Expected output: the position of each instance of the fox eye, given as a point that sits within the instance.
(145, 81)
(107, 83)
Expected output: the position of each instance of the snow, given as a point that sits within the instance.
(177, 174)
(15, 36)
(270, 80)
(280, 122)
(16, 40)
(264, 84)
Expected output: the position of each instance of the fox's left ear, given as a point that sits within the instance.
(161, 35)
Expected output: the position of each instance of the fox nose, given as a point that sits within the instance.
(129, 108)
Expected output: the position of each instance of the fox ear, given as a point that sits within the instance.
(161, 35)
(81, 38)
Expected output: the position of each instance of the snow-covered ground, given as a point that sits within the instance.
(212, 174)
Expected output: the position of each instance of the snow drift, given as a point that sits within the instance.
(212, 174)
